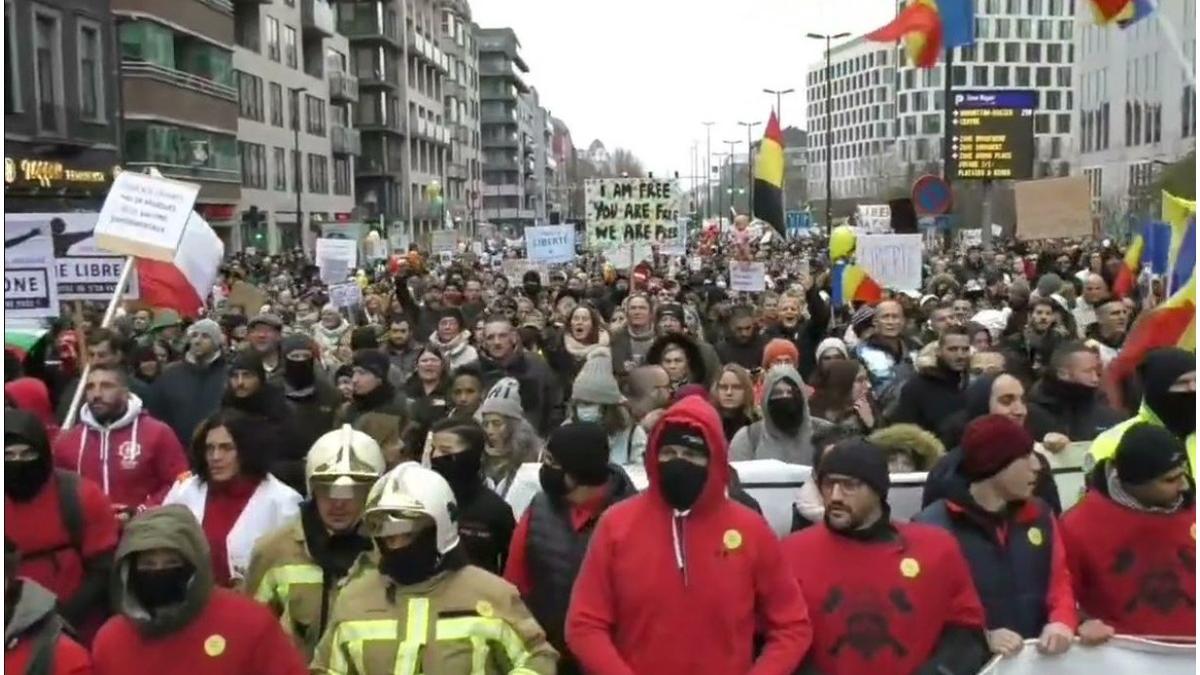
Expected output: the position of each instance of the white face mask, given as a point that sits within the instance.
(588, 412)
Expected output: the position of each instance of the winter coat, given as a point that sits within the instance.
(701, 357)
(886, 368)
(403, 360)
(186, 393)
(945, 480)
(423, 408)
(541, 390)
(134, 459)
(312, 412)
(457, 352)
(282, 436)
(714, 574)
(627, 349)
(214, 631)
(136, 387)
(929, 397)
(565, 355)
(748, 355)
(381, 414)
(328, 340)
(764, 440)
(921, 446)
(269, 508)
(1077, 413)
(33, 621)
(485, 528)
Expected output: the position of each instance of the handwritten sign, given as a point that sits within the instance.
(750, 277)
(623, 211)
(336, 257)
(1053, 207)
(971, 237)
(550, 244)
(443, 241)
(893, 260)
(145, 216)
(345, 295)
(515, 268)
(874, 218)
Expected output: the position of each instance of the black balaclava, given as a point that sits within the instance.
(787, 412)
(463, 471)
(1160, 369)
(162, 587)
(531, 283)
(414, 563)
(24, 479)
(682, 481)
(299, 375)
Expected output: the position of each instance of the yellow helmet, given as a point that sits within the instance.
(343, 458)
(405, 495)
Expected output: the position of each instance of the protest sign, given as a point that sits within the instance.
(336, 257)
(145, 216)
(874, 218)
(30, 291)
(443, 241)
(695, 263)
(972, 237)
(892, 260)
(678, 245)
(550, 244)
(248, 296)
(345, 295)
(343, 229)
(1054, 207)
(627, 256)
(82, 270)
(623, 211)
(515, 268)
(748, 276)
(1121, 654)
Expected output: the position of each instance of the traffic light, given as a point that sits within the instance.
(254, 224)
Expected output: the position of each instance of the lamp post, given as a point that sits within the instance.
(828, 123)
(296, 129)
(750, 164)
(708, 169)
(720, 188)
(720, 185)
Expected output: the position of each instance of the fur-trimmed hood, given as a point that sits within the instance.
(922, 446)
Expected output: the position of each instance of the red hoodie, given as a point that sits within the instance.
(31, 395)
(135, 459)
(638, 606)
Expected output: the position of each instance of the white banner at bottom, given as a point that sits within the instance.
(1119, 655)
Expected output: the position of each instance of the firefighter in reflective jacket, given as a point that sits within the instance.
(297, 569)
(424, 609)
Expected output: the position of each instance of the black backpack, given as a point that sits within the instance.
(71, 512)
(45, 643)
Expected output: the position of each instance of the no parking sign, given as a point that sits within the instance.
(931, 196)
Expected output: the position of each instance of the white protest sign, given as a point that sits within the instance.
(631, 210)
(892, 260)
(29, 288)
(336, 257)
(695, 263)
(748, 276)
(677, 246)
(82, 270)
(1121, 654)
(627, 256)
(515, 269)
(972, 237)
(550, 244)
(443, 241)
(345, 295)
(874, 218)
(145, 216)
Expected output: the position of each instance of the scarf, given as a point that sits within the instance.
(452, 347)
(581, 351)
(1117, 493)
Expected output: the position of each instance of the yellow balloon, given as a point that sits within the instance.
(841, 242)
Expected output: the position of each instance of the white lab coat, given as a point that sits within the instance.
(271, 505)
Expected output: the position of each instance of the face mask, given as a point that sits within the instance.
(23, 479)
(787, 413)
(1178, 412)
(681, 482)
(532, 290)
(161, 587)
(299, 374)
(414, 563)
(461, 470)
(553, 480)
(588, 412)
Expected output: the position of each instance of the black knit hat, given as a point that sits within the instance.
(373, 361)
(364, 337)
(685, 435)
(670, 309)
(453, 313)
(250, 361)
(861, 459)
(581, 449)
(1147, 451)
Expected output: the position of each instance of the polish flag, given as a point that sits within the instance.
(185, 284)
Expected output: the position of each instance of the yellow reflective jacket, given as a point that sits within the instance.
(1105, 445)
(464, 622)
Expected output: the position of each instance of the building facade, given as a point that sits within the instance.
(461, 102)
(425, 72)
(795, 169)
(61, 105)
(1135, 111)
(296, 143)
(566, 173)
(505, 130)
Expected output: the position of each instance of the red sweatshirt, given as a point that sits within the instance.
(515, 569)
(641, 606)
(233, 635)
(222, 507)
(69, 657)
(879, 607)
(1133, 570)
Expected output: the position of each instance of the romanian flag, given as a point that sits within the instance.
(1180, 216)
(928, 26)
(1170, 324)
(1140, 10)
(1130, 266)
(768, 177)
(851, 283)
(1110, 11)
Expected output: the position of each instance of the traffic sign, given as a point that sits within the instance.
(931, 196)
(992, 134)
(796, 222)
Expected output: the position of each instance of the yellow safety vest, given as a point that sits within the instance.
(1105, 445)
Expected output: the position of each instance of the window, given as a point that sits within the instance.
(250, 96)
(279, 162)
(1043, 76)
(12, 73)
(960, 75)
(91, 72)
(1045, 29)
(1187, 104)
(47, 59)
(1041, 124)
(297, 172)
(980, 75)
(1012, 52)
(289, 45)
(254, 165)
(1033, 52)
(1052, 100)
(1024, 29)
(276, 104)
(1062, 124)
(273, 38)
(1104, 119)
(342, 181)
(1003, 29)
(318, 174)
(1054, 53)
(316, 115)
(991, 52)
(1000, 76)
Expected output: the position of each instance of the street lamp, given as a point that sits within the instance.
(732, 145)
(720, 188)
(828, 123)
(750, 163)
(708, 168)
(296, 129)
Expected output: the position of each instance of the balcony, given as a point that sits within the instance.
(370, 120)
(500, 140)
(343, 87)
(454, 89)
(501, 190)
(419, 45)
(316, 18)
(501, 164)
(345, 141)
(144, 69)
(495, 117)
(367, 28)
(378, 166)
(508, 214)
(456, 171)
(378, 79)
(430, 131)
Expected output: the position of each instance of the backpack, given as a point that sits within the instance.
(70, 510)
(45, 643)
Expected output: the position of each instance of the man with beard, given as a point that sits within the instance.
(578, 486)
(887, 353)
(884, 597)
(312, 399)
(1067, 401)
(297, 569)
(472, 305)
(1009, 539)
(251, 395)
(400, 347)
(541, 393)
(1112, 323)
(1168, 379)
(134, 458)
(935, 393)
(743, 342)
(34, 634)
(1034, 345)
(104, 348)
(62, 525)
(376, 407)
(189, 391)
(265, 332)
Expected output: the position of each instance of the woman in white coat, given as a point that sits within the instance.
(232, 494)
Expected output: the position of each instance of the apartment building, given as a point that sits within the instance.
(505, 131)
(461, 103)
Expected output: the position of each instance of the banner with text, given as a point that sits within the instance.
(629, 211)
(750, 277)
(892, 260)
(337, 258)
(443, 241)
(550, 244)
(30, 291)
(82, 270)
(1122, 654)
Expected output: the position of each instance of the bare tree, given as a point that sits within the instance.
(624, 162)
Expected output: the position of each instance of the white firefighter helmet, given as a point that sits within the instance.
(343, 458)
(405, 494)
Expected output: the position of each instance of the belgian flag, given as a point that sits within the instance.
(768, 177)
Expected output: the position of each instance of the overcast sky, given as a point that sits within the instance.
(644, 74)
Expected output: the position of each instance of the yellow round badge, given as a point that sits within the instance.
(732, 540)
(484, 608)
(910, 568)
(1035, 536)
(214, 645)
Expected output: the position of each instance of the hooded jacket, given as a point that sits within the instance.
(702, 367)
(1077, 412)
(188, 392)
(135, 459)
(32, 614)
(31, 395)
(928, 397)
(765, 440)
(214, 631)
(713, 576)
(39, 532)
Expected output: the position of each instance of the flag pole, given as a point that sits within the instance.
(109, 314)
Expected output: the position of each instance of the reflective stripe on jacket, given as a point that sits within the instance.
(1105, 445)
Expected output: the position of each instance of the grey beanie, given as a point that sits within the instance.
(504, 398)
(210, 328)
(595, 382)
